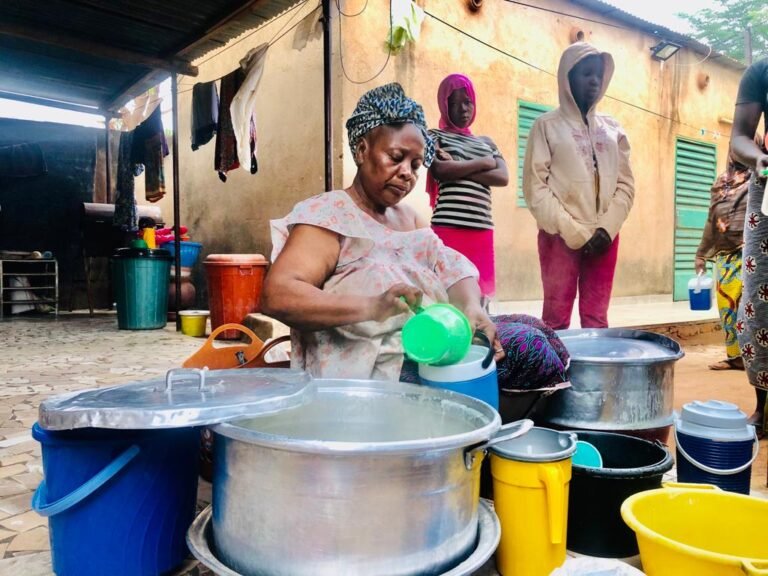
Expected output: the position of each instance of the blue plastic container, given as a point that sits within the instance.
(118, 502)
(700, 292)
(190, 252)
(715, 445)
(467, 377)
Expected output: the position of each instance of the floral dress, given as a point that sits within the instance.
(752, 324)
(373, 258)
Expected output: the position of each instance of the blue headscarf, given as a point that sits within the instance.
(385, 105)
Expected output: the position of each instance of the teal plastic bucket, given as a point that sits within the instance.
(141, 277)
(118, 502)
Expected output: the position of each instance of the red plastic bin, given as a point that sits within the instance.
(234, 288)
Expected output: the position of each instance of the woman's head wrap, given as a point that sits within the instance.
(448, 86)
(387, 105)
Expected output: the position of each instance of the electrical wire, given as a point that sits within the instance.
(386, 62)
(338, 7)
(585, 19)
(274, 40)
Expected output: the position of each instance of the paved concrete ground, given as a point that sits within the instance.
(40, 357)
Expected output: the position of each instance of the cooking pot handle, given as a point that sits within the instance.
(750, 568)
(489, 356)
(179, 373)
(506, 432)
(719, 471)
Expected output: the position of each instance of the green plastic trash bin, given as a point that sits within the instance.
(141, 277)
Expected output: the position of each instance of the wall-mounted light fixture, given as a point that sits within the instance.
(664, 50)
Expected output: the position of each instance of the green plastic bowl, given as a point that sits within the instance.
(440, 334)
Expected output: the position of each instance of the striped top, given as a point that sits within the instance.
(463, 203)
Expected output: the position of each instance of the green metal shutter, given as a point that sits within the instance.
(527, 112)
(695, 172)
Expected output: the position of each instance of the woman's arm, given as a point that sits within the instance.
(497, 177)
(293, 291)
(745, 120)
(450, 170)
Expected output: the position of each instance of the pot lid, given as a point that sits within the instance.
(538, 445)
(253, 259)
(185, 397)
(715, 420)
(618, 345)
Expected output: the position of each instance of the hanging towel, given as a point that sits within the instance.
(125, 202)
(22, 161)
(148, 149)
(243, 106)
(225, 158)
(205, 113)
(407, 18)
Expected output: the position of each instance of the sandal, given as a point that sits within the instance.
(728, 364)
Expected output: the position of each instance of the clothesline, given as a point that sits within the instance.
(278, 36)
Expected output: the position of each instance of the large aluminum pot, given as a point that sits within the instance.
(621, 380)
(373, 478)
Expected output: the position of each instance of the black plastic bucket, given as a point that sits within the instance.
(630, 465)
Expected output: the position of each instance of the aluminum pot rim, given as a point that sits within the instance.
(630, 333)
(451, 442)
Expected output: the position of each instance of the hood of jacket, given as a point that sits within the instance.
(574, 54)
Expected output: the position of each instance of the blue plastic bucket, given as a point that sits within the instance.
(700, 292)
(190, 252)
(715, 445)
(467, 377)
(118, 502)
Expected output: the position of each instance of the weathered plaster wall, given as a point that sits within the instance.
(233, 217)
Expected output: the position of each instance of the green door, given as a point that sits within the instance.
(695, 172)
(527, 112)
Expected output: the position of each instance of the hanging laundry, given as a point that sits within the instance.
(125, 204)
(143, 106)
(22, 161)
(205, 113)
(149, 147)
(225, 158)
(243, 107)
(407, 18)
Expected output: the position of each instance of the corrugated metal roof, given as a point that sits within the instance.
(608, 10)
(35, 61)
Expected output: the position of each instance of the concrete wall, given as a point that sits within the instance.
(233, 217)
(539, 37)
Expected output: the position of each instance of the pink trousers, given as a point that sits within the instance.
(564, 271)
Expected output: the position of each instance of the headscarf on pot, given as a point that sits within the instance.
(387, 105)
(447, 87)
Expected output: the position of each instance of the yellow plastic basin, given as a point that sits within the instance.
(699, 530)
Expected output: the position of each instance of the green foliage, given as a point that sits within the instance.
(723, 27)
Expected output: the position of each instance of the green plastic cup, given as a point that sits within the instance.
(440, 334)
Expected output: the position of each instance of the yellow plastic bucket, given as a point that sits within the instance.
(699, 530)
(531, 477)
(193, 322)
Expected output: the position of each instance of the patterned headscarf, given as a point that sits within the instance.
(386, 105)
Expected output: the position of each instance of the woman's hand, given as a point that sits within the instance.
(760, 165)
(479, 320)
(398, 299)
(442, 155)
(700, 264)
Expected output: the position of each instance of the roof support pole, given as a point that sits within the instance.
(327, 94)
(107, 161)
(176, 207)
